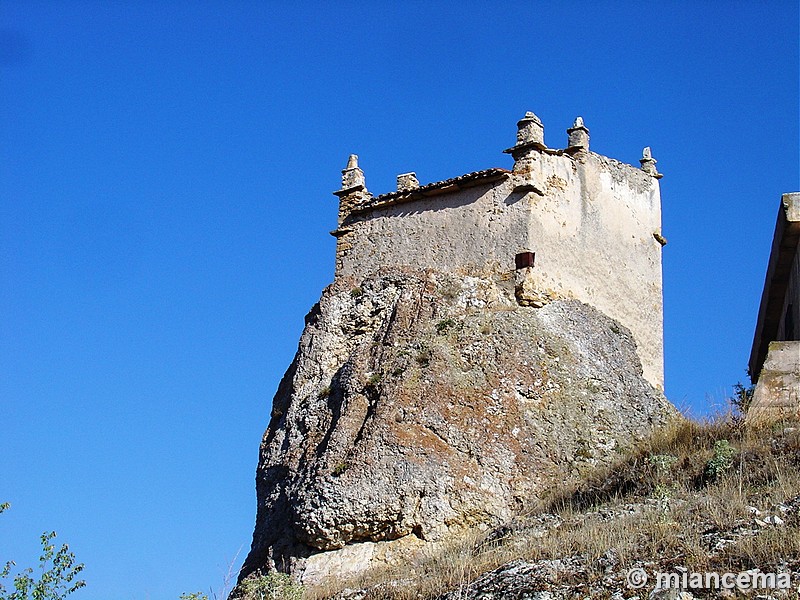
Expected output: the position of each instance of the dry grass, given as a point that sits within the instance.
(771, 547)
(668, 504)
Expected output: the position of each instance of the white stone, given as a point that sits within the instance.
(774, 520)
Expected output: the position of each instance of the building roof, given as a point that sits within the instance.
(784, 249)
(434, 189)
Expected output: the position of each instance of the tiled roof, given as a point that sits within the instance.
(436, 188)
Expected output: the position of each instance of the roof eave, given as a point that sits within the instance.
(785, 243)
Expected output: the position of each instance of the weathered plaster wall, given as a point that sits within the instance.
(474, 230)
(591, 226)
(593, 233)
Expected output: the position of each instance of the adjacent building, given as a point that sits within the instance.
(775, 356)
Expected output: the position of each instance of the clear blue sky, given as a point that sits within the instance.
(166, 171)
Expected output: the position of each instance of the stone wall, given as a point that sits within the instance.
(777, 393)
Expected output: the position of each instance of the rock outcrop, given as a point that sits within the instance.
(420, 404)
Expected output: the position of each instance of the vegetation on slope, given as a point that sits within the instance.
(716, 496)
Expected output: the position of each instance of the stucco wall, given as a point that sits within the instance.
(470, 230)
(591, 228)
(593, 236)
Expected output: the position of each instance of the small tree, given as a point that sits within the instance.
(57, 573)
(742, 397)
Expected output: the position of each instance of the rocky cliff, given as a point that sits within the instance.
(420, 405)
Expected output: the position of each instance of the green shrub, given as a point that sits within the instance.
(722, 460)
(273, 586)
(662, 463)
(444, 325)
(340, 468)
(54, 579)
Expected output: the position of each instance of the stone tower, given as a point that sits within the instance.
(562, 223)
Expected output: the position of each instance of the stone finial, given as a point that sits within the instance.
(578, 136)
(649, 163)
(530, 130)
(530, 141)
(407, 181)
(352, 175)
(353, 192)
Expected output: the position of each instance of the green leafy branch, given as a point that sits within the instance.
(58, 573)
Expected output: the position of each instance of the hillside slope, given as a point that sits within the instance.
(694, 498)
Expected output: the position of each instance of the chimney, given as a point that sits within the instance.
(354, 188)
(530, 140)
(407, 181)
(649, 163)
(578, 136)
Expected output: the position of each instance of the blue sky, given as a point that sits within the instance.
(166, 171)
